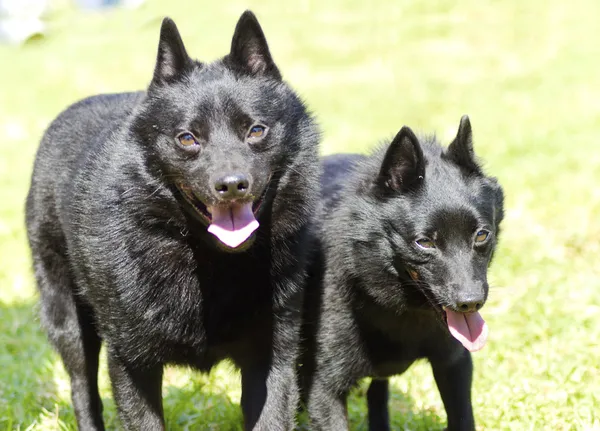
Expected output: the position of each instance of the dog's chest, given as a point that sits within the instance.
(235, 293)
(396, 342)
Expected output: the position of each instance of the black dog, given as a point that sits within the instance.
(171, 224)
(407, 238)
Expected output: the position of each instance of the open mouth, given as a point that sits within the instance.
(196, 203)
(232, 223)
(468, 328)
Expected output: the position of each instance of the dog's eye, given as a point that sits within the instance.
(257, 131)
(425, 243)
(481, 236)
(187, 139)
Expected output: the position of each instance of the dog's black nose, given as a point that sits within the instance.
(232, 186)
(469, 305)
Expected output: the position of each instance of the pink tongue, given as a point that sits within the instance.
(232, 225)
(468, 328)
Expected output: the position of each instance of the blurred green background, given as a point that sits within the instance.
(527, 73)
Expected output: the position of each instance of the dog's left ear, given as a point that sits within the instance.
(172, 59)
(249, 49)
(403, 166)
(460, 151)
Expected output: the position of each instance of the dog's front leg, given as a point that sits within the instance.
(453, 379)
(377, 400)
(269, 399)
(327, 410)
(137, 395)
(254, 394)
(270, 393)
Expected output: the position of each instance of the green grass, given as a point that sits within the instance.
(528, 74)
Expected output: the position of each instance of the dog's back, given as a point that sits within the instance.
(69, 142)
(336, 168)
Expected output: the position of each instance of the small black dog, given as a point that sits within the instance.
(406, 240)
(172, 225)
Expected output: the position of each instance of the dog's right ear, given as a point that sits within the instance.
(172, 59)
(403, 166)
(249, 49)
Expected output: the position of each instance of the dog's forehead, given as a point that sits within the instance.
(455, 220)
(214, 87)
(213, 83)
(452, 199)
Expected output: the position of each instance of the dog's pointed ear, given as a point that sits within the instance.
(460, 151)
(403, 166)
(249, 49)
(172, 59)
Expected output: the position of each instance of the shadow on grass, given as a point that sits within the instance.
(195, 407)
(404, 413)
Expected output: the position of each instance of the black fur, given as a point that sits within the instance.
(117, 224)
(365, 314)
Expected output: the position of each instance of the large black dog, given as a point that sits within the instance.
(171, 224)
(406, 240)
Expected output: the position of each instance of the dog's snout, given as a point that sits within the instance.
(232, 186)
(470, 305)
(469, 298)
